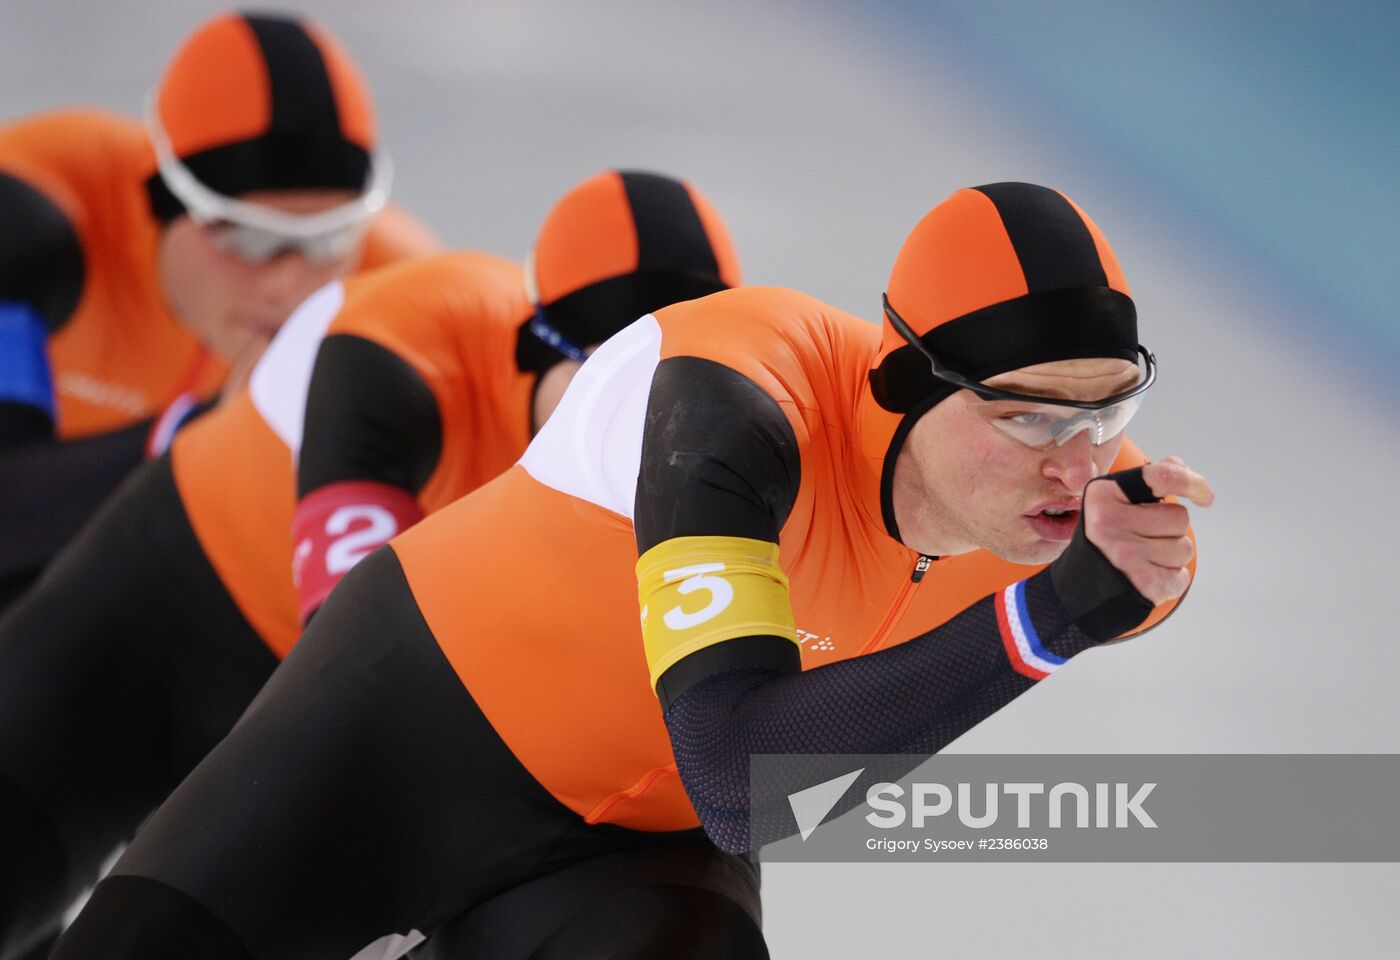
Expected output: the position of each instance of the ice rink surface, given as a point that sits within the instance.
(822, 132)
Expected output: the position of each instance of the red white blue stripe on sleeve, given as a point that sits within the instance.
(1023, 647)
(163, 430)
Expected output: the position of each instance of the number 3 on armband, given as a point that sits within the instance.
(697, 578)
(351, 548)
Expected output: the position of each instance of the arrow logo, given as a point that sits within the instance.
(810, 806)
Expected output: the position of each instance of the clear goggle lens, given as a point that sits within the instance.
(1042, 425)
(257, 245)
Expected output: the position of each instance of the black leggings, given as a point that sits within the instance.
(119, 670)
(52, 488)
(364, 793)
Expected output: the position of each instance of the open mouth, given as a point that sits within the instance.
(1055, 523)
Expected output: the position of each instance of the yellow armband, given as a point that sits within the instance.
(696, 592)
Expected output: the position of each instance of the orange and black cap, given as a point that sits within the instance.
(263, 102)
(999, 277)
(993, 279)
(617, 247)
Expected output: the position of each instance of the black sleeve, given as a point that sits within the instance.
(50, 487)
(369, 416)
(913, 698)
(23, 423)
(41, 280)
(719, 458)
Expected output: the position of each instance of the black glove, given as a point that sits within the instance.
(1100, 599)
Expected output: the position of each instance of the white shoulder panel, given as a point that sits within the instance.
(279, 382)
(591, 448)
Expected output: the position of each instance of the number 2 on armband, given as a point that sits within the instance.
(352, 547)
(697, 578)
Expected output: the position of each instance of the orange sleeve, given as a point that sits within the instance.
(453, 320)
(784, 341)
(427, 311)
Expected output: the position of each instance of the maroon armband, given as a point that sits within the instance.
(337, 526)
